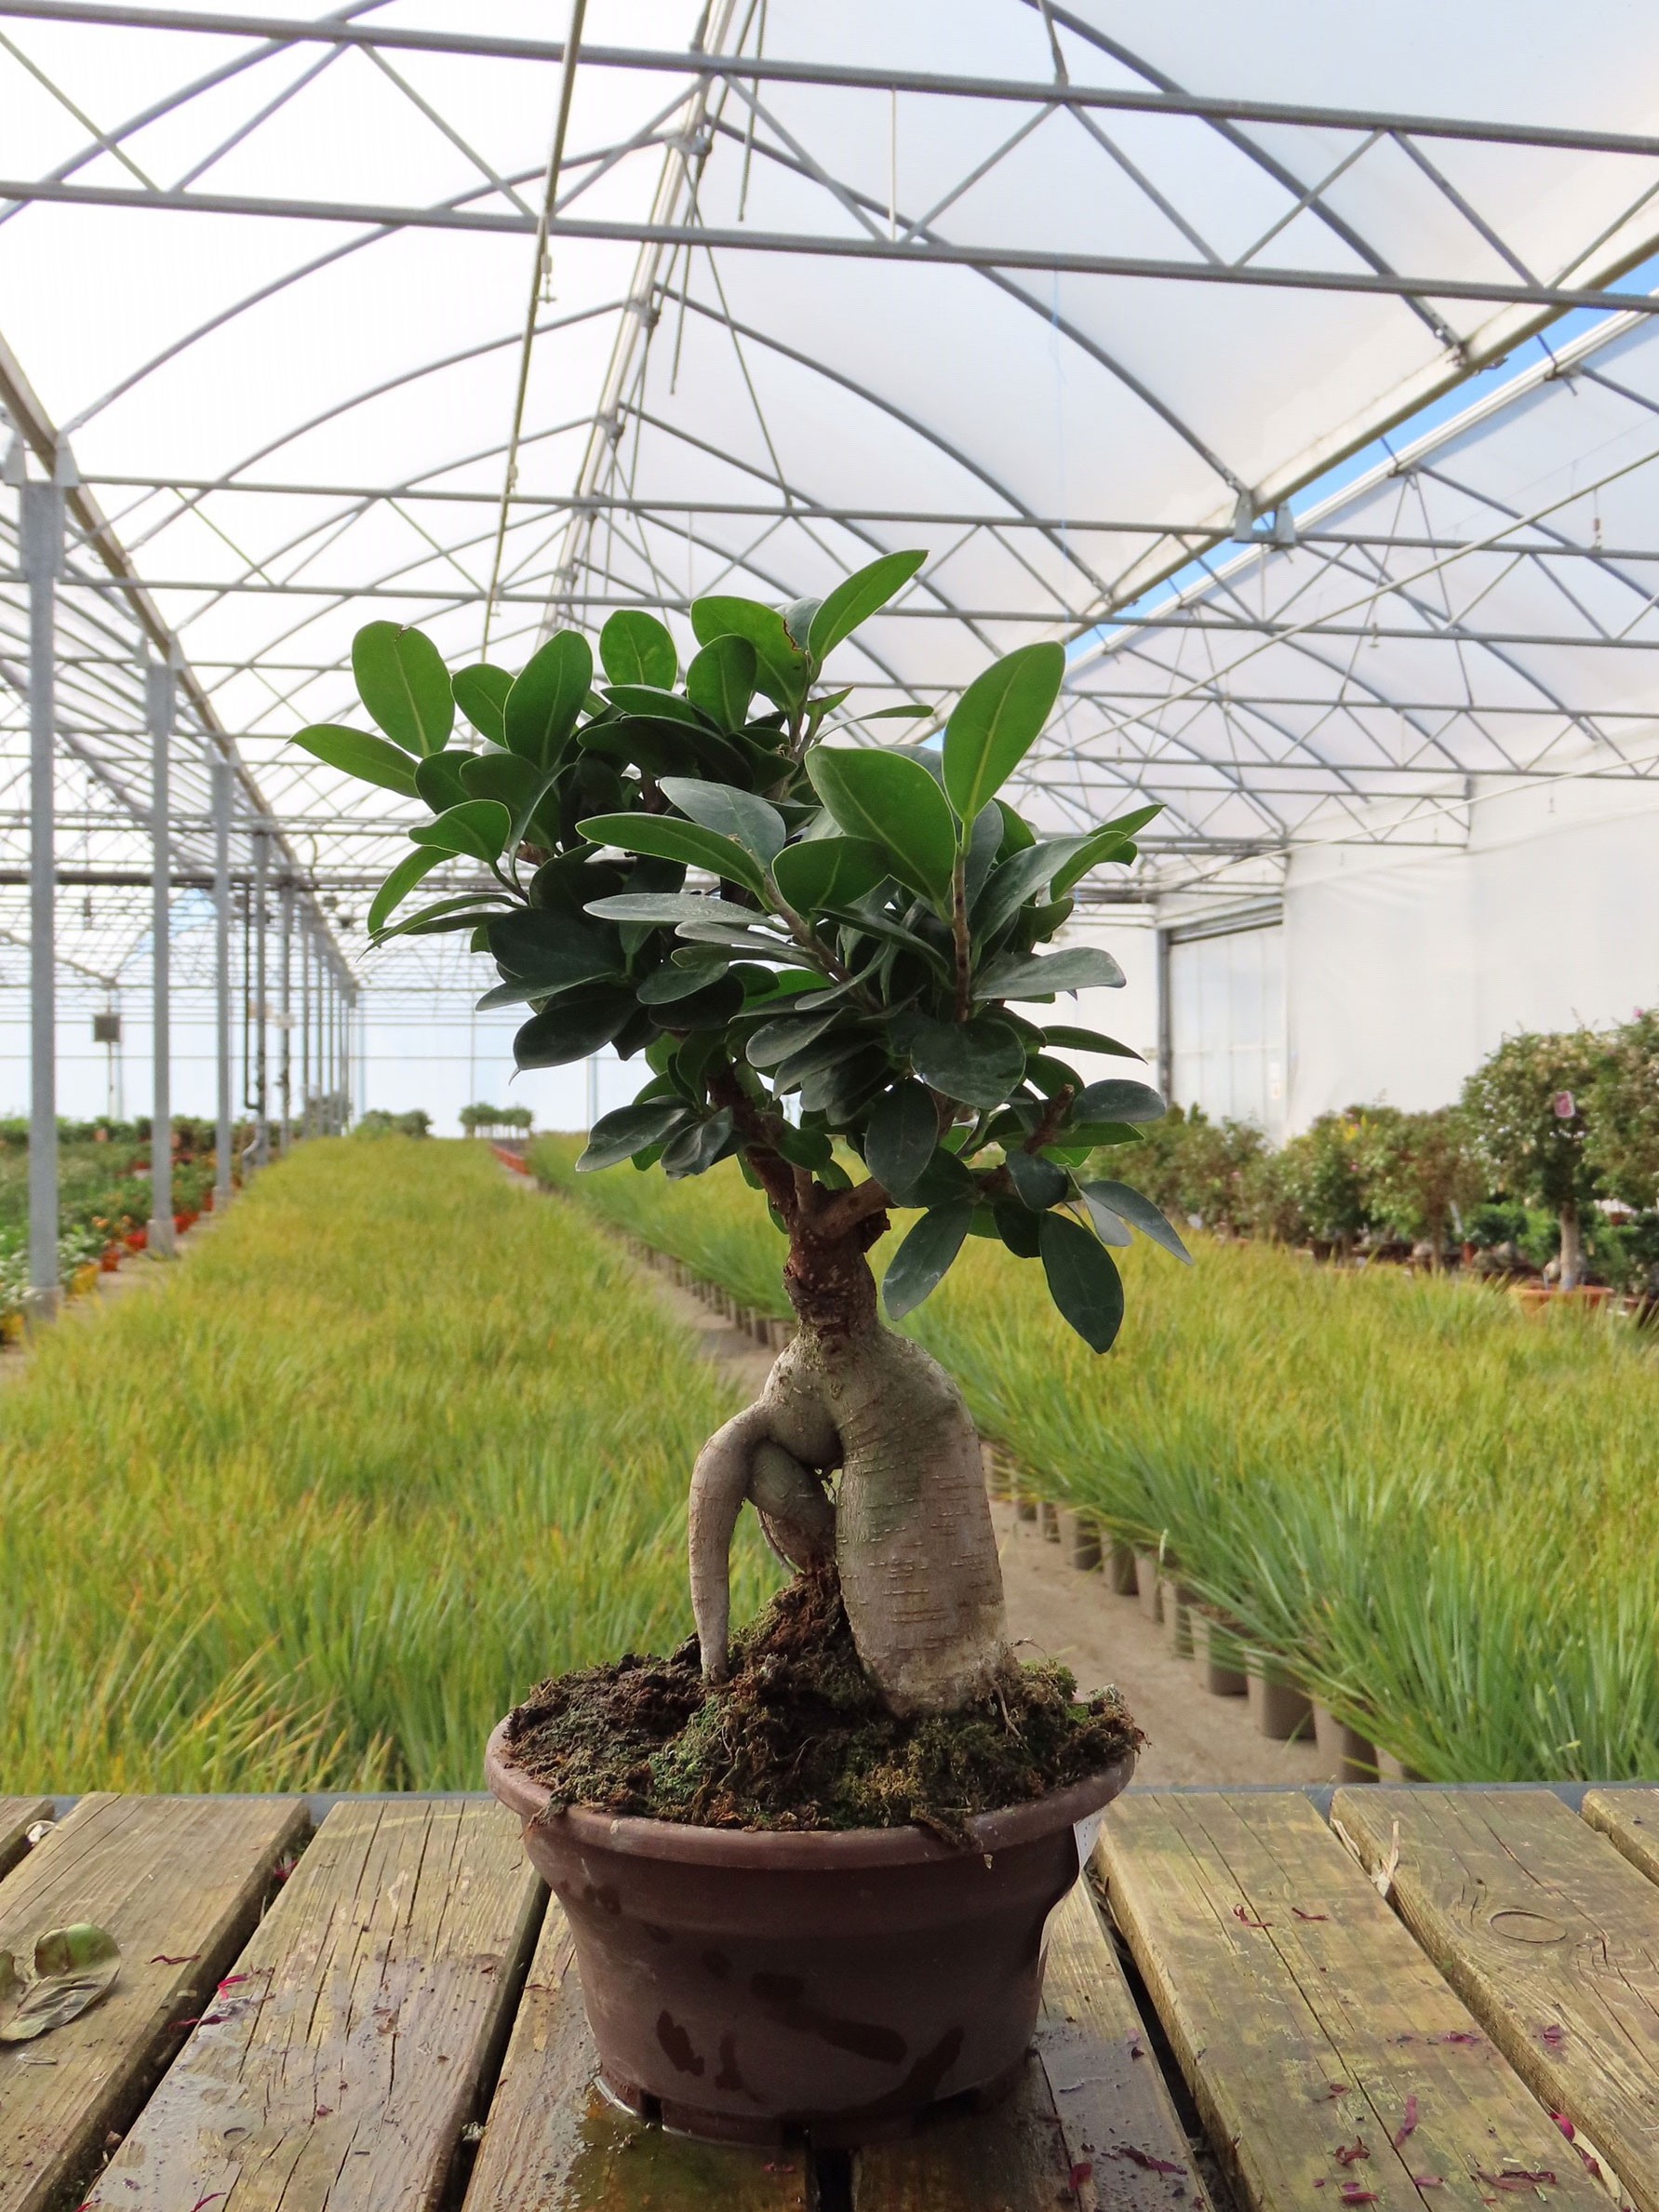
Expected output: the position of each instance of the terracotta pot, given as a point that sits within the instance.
(1080, 1539)
(1280, 1710)
(1220, 1661)
(1120, 1569)
(741, 1983)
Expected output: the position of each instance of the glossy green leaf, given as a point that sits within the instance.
(402, 681)
(1140, 1212)
(1117, 1099)
(1088, 1040)
(665, 837)
(1104, 848)
(856, 598)
(616, 1136)
(672, 982)
(721, 680)
(750, 822)
(468, 905)
(776, 1040)
(1022, 875)
(439, 781)
(1019, 1229)
(1039, 1182)
(979, 1062)
(481, 694)
(911, 712)
(398, 885)
(901, 1137)
(669, 908)
(1031, 975)
(1083, 1280)
(477, 827)
(996, 722)
(358, 753)
(923, 1259)
(695, 1150)
(546, 702)
(652, 705)
(1108, 1225)
(944, 1181)
(782, 669)
(573, 1027)
(522, 788)
(825, 872)
(892, 800)
(635, 649)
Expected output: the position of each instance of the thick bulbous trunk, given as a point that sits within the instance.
(909, 1524)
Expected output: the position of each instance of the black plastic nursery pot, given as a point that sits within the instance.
(743, 1984)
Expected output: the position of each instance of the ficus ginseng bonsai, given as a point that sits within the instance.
(871, 916)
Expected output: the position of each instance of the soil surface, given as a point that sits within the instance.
(798, 1737)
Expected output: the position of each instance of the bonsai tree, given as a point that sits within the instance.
(815, 951)
(1623, 1116)
(1420, 1174)
(1528, 1102)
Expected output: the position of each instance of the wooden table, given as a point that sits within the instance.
(1408, 1997)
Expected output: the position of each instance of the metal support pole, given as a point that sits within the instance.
(158, 714)
(42, 544)
(225, 1136)
(325, 1040)
(346, 1069)
(261, 1097)
(305, 1128)
(286, 1051)
(1166, 1019)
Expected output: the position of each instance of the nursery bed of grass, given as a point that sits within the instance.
(1443, 1511)
(398, 1441)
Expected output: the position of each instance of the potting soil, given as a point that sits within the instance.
(798, 1737)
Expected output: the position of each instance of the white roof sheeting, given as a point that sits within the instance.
(1050, 290)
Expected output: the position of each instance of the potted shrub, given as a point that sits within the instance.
(808, 1864)
(1528, 1102)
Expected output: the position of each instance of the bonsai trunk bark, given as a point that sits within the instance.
(909, 1526)
(1573, 1249)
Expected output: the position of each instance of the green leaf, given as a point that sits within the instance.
(1020, 875)
(783, 671)
(1088, 1040)
(996, 722)
(1104, 846)
(1019, 1229)
(468, 907)
(650, 704)
(1027, 975)
(666, 908)
(856, 598)
(357, 753)
(403, 682)
(672, 982)
(398, 885)
(1109, 1226)
(829, 872)
(1117, 1099)
(546, 702)
(1039, 1182)
(1083, 1280)
(944, 1180)
(696, 1150)
(666, 838)
(893, 800)
(519, 784)
(477, 827)
(573, 1027)
(1141, 1214)
(481, 694)
(616, 1137)
(749, 821)
(721, 680)
(979, 1062)
(776, 1040)
(901, 1137)
(439, 781)
(923, 1260)
(635, 649)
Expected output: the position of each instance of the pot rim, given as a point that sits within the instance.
(828, 1851)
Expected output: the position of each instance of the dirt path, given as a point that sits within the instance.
(1056, 1612)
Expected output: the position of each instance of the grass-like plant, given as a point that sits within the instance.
(847, 978)
(267, 1529)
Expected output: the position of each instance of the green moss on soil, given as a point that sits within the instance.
(798, 1738)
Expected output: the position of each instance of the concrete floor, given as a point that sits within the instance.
(1054, 1612)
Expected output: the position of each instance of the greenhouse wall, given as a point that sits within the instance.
(1403, 970)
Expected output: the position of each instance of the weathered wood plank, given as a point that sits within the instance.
(18, 1816)
(1090, 2121)
(178, 1882)
(1323, 2051)
(1630, 1819)
(554, 2141)
(1116, 2112)
(347, 2051)
(1551, 1937)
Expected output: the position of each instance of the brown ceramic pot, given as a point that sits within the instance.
(741, 1983)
